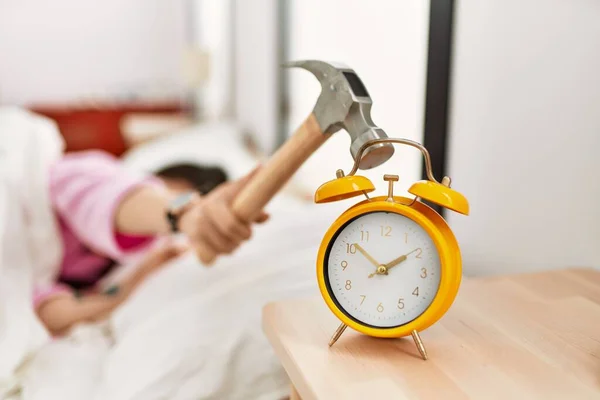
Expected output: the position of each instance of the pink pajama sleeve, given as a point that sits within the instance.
(86, 188)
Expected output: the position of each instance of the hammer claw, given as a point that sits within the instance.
(320, 69)
(345, 103)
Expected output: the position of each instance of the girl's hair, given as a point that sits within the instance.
(202, 178)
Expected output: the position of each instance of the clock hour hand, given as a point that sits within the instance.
(367, 255)
(399, 260)
(383, 269)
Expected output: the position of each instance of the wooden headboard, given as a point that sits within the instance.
(99, 126)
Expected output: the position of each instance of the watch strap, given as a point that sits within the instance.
(173, 222)
(177, 208)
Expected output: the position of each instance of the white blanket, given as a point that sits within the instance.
(191, 332)
(188, 333)
(30, 249)
(195, 333)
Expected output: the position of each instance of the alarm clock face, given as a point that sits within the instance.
(382, 269)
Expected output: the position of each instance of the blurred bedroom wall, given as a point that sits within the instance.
(73, 50)
(386, 44)
(225, 56)
(525, 134)
(258, 33)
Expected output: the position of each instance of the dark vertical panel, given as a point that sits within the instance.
(437, 94)
(233, 18)
(282, 83)
(191, 9)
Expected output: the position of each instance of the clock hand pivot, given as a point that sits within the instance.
(383, 269)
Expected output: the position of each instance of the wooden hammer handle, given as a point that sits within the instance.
(273, 175)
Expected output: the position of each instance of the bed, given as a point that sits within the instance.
(192, 332)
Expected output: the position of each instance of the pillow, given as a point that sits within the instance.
(216, 144)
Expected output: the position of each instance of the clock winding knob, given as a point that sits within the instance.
(391, 179)
(446, 181)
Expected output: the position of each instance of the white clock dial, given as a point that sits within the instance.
(399, 291)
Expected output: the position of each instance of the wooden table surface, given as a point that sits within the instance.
(533, 336)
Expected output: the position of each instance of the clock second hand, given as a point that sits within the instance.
(392, 264)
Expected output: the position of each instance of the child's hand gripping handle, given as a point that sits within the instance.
(273, 175)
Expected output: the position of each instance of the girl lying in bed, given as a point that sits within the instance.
(109, 216)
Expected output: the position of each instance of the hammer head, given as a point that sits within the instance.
(345, 103)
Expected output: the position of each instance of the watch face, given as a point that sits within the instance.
(181, 201)
(382, 269)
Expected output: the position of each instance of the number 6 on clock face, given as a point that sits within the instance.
(382, 280)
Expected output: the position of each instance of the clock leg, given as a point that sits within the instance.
(337, 334)
(419, 344)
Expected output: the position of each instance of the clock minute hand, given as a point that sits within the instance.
(367, 255)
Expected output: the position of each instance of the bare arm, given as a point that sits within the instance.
(208, 222)
(142, 212)
(61, 313)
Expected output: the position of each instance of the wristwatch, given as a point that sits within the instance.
(177, 207)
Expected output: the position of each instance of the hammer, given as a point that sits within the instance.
(343, 103)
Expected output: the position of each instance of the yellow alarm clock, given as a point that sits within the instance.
(389, 266)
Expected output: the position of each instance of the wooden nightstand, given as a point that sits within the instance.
(533, 336)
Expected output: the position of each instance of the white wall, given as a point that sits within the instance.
(211, 58)
(386, 43)
(526, 134)
(256, 69)
(64, 50)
